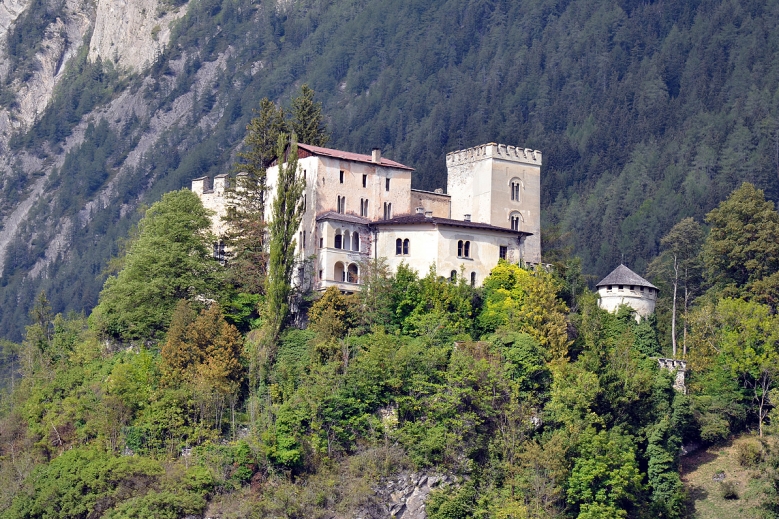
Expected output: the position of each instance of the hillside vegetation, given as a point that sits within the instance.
(180, 395)
(647, 112)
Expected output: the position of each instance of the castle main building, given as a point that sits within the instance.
(359, 207)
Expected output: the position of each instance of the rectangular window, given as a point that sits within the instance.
(304, 239)
(304, 203)
(503, 251)
(365, 181)
(342, 177)
(321, 244)
(386, 184)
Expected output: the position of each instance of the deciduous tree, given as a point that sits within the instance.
(169, 260)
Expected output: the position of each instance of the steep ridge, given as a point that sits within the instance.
(646, 112)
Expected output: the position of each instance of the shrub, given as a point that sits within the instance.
(748, 454)
(728, 490)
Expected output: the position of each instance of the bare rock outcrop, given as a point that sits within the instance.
(132, 34)
(405, 496)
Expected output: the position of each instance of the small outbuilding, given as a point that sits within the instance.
(625, 287)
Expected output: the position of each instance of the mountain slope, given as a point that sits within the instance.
(645, 112)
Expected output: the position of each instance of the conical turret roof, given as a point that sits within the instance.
(624, 276)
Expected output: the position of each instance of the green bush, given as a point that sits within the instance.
(749, 455)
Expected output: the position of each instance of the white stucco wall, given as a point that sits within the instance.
(436, 245)
(643, 302)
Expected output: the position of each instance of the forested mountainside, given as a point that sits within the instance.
(646, 112)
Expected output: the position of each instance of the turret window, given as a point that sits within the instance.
(515, 185)
(514, 219)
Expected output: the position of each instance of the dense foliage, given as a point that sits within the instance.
(534, 409)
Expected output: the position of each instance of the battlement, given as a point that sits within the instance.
(203, 185)
(673, 364)
(678, 366)
(494, 151)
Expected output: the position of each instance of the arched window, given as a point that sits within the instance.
(515, 186)
(356, 241)
(467, 249)
(515, 217)
(341, 204)
(338, 238)
(339, 274)
(405, 247)
(352, 274)
(398, 247)
(347, 241)
(460, 249)
(453, 276)
(473, 279)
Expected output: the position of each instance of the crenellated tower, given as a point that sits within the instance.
(500, 185)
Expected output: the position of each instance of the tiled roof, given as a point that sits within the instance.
(624, 276)
(412, 219)
(349, 218)
(347, 155)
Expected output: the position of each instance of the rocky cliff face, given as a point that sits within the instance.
(34, 87)
(404, 496)
(132, 34)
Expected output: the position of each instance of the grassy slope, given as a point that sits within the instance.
(705, 494)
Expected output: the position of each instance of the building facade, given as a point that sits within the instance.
(361, 207)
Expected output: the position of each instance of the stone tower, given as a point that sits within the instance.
(623, 286)
(498, 185)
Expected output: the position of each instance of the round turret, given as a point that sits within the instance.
(625, 287)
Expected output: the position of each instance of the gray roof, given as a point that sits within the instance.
(349, 218)
(624, 276)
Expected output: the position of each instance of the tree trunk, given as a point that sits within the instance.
(673, 311)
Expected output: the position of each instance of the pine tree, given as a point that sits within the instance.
(307, 121)
(247, 197)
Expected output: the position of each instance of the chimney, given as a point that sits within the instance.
(467, 218)
(376, 155)
(420, 210)
(428, 214)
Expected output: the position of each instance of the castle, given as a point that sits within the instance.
(360, 207)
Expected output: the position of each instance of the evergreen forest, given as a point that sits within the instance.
(646, 113)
